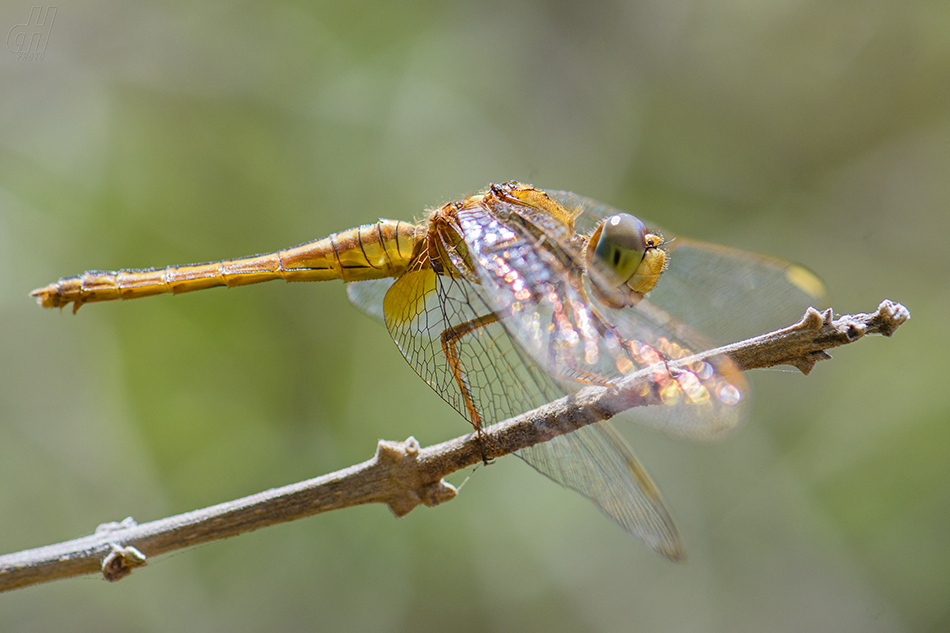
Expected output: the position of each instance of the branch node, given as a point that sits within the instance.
(395, 453)
(438, 492)
(813, 319)
(416, 486)
(804, 364)
(121, 561)
(889, 316)
(404, 504)
(851, 329)
(115, 526)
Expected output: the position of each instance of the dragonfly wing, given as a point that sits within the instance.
(368, 296)
(422, 307)
(535, 283)
(504, 381)
(726, 293)
(701, 402)
(709, 295)
(596, 462)
(730, 294)
(528, 276)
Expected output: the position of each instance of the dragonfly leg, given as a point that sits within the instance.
(450, 339)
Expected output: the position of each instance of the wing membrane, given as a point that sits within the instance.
(596, 462)
(368, 296)
(504, 381)
(550, 315)
(725, 293)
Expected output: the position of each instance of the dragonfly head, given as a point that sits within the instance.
(629, 256)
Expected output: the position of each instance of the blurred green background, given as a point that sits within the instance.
(159, 132)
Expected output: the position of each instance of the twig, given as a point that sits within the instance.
(403, 475)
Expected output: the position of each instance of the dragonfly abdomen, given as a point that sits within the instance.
(370, 251)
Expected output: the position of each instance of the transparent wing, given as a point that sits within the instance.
(503, 382)
(702, 403)
(596, 462)
(422, 308)
(368, 296)
(709, 295)
(728, 294)
(536, 282)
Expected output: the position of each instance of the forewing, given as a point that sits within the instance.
(709, 295)
(700, 401)
(537, 282)
(503, 382)
(730, 294)
(548, 340)
(531, 278)
(725, 293)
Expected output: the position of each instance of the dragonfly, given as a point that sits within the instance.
(516, 296)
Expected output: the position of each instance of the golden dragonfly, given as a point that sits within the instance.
(516, 296)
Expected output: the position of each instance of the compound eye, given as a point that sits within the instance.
(621, 246)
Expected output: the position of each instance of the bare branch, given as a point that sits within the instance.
(403, 475)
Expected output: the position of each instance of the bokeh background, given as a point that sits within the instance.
(170, 132)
